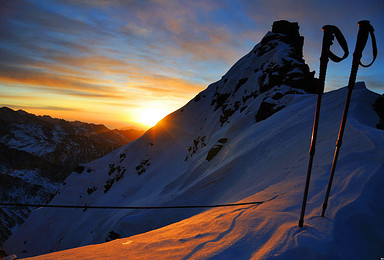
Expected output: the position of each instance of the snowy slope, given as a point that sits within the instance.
(245, 138)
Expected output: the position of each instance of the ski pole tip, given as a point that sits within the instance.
(301, 223)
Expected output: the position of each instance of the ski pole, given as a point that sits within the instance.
(330, 31)
(362, 36)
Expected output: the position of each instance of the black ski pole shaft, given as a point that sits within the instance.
(329, 32)
(365, 28)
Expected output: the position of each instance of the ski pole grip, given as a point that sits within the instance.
(362, 37)
(342, 42)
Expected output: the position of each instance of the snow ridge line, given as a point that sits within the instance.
(136, 207)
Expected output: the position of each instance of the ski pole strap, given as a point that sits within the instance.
(341, 40)
(364, 28)
(330, 31)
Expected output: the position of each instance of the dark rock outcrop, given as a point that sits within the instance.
(291, 30)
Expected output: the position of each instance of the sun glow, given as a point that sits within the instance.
(151, 115)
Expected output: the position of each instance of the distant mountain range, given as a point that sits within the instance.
(39, 152)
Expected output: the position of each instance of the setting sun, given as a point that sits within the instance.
(150, 116)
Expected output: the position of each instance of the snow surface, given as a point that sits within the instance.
(260, 161)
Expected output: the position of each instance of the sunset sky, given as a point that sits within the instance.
(129, 63)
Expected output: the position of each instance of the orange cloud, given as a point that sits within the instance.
(57, 83)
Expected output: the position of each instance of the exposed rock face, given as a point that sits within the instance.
(291, 30)
(290, 34)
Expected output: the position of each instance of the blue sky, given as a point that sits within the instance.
(117, 62)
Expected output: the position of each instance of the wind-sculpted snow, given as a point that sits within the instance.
(245, 138)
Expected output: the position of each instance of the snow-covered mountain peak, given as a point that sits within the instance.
(273, 69)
